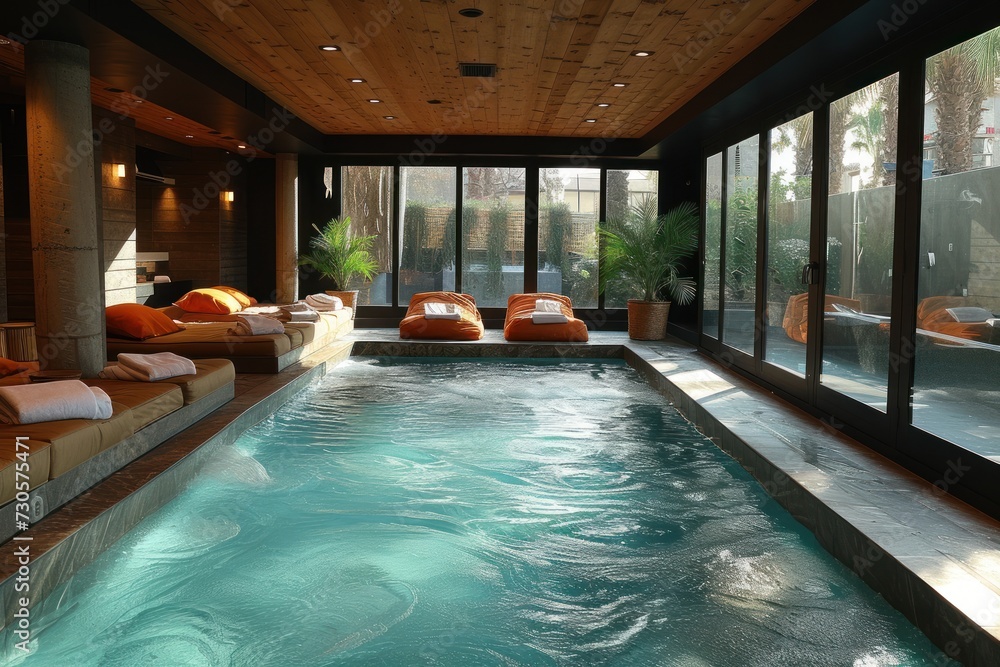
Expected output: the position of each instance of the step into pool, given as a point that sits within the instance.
(444, 512)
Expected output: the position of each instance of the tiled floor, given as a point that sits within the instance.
(929, 555)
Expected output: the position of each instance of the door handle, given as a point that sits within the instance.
(810, 273)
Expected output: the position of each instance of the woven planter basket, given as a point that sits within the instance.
(647, 320)
(350, 299)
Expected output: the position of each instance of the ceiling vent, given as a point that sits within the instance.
(478, 69)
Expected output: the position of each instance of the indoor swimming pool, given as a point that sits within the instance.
(442, 512)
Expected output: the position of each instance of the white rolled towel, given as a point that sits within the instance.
(53, 401)
(325, 302)
(547, 306)
(256, 325)
(158, 366)
(548, 318)
(434, 310)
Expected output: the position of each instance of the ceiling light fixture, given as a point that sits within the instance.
(329, 47)
(373, 101)
(242, 146)
(603, 105)
(590, 120)
(471, 12)
(189, 136)
(356, 80)
(389, 117)
(642, 54)
(168, 118)
(619, 85)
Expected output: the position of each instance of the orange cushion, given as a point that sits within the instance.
(245, 300)
(518, 324)
(469, 327)
(209, 300)
(8, 367)
(134, 320)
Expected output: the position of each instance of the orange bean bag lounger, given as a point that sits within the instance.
(459, 320)
(520, 325)
(940, 314)
(796, 323)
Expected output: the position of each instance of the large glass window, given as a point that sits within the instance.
(713, 245)
(789, 217)
(427, 231)
(628, 190)
(492, 234)
(957, 355)
(366, 196)
(740, 219)
(860, 218)
(569, 204)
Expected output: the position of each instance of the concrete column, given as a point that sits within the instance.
(286, 227)
(69, 304)
(3, 249)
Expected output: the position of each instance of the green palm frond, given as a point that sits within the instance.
(339, 255)
(647, 251)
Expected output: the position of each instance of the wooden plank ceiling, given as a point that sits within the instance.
(556, 59)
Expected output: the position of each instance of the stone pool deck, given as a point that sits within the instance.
(931, 556)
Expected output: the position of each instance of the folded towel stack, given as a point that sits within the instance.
(547, 306)
(256, 325)
(324, 302)
(53, 401)
(548, 311)
(441, 311)
(300, 312)
(149, 367)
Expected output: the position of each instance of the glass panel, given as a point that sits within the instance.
(957, 356)
(860, 213)
(713, 246)
(569, 204)
(626, 190)
(740, 218)
(366, 196)
(789, 216)
(492, 234)
(427, 232)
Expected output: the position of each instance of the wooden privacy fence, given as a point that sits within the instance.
(580, 237)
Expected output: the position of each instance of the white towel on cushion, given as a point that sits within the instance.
(325, 302)
(52, 401)
(304, 316)
(548, 318)
(297, 307)
(434, 310)
(158, 366)
(119, 372)
(256, 325)
(547, 306)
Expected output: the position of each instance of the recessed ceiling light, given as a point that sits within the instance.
(471, 12)
(590, 120)
(603, 104)
(642, 54)
(189, 136)
(619, 85)
(433, 101)
(329, 47)
(168, 118)
(4, 41)
(114, 90)
(389, 117)
(356, 80)
(241, 146)
(138, 101)
(373, 101)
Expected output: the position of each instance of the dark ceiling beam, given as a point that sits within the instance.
(413, 149)
(179, 77)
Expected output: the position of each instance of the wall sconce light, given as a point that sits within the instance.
(228, 195)
(119, 169)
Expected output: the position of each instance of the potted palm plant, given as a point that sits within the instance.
(340, 256)
(646, 252)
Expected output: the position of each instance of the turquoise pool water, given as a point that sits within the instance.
(449, 513)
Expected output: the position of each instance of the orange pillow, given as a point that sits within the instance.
(209, 300)
(245, 300)
(8, 367)
(134, 320)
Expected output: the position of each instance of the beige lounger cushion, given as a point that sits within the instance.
(205, 339)
(38, 467)
(75, 440)
(148, 401)
(212, 374)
